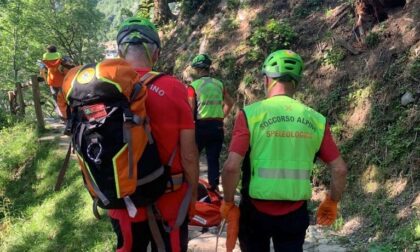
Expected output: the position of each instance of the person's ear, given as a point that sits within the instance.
(266, 80)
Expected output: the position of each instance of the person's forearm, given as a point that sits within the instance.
(228, 103)
(191, 102)
(226, 109)
(230, 177)
(191, 169)
(338, 178)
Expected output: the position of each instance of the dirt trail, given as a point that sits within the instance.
(55, 131)
(317, 239)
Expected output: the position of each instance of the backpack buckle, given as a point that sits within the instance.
(128, 118)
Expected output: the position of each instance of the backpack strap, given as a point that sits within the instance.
(145, 80)
(183, 208)
(129, 117)
(152, 213)
(158, 172)
(149, 77)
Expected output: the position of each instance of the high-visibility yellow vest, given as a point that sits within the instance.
(285, 136)
(209, 92)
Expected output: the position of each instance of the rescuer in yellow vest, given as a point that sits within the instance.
(210, 103)
(278, 139)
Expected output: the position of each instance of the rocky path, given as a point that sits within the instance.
(55, 131)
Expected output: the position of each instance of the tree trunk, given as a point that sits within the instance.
(162, 13)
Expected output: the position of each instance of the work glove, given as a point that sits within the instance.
(327, 212)
(230, 212)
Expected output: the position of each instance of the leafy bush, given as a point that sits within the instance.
(333, 56)
(272, 36)
(233, 4)
(415, 68)
(17, 145)
(190, 7)
(372, 39)
(307, 7)
(229, 25)
(6, 119)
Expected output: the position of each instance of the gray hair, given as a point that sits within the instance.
(137, 50)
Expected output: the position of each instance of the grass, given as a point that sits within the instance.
(372, 39)
(34, 217)
(334, 56)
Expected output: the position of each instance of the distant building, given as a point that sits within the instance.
(111, 50)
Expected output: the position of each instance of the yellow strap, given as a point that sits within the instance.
(99, 77)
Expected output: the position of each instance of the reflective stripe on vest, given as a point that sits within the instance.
(285, 136)
(283, 173)
(209, 92)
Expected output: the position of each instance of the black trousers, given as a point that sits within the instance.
(141, 236)
(209, 136)
(256, 229)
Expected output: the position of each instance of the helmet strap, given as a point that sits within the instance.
(270, 86)
(149, 57)
(123, 49)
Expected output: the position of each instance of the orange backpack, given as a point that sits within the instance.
(207, 207)
(110, 133)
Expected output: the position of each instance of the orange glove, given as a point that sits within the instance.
(230, 212)
(327, 212)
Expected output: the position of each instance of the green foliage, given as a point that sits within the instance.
(372, 39)
(35, 218)
(415, 68)
(27, 27)
(307, 7)
(333, 103)
(229, 71)
(145, 8)
(333, 56)
(274, 35)
(116, 11)
(229, 24)
(339, 223)
(190, 7)
(6, 120)
(248, 79)
(233, 4)
(17, 145)
(255, 55)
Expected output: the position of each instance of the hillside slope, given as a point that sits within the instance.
(358, 86)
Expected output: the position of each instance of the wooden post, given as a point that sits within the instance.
(12, 102)
(21, 102)
(37, 102)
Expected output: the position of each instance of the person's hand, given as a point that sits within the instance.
(230, 212)
(225, 208)
(327, 212)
